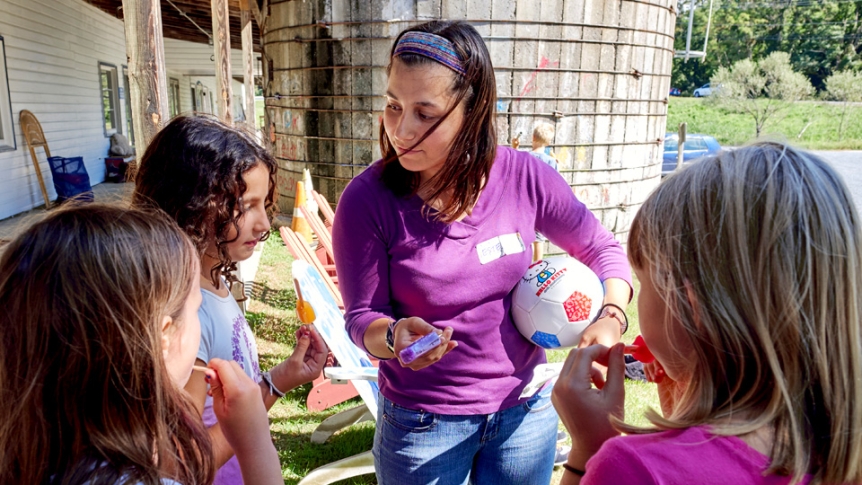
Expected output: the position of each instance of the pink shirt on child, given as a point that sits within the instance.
(679, 457)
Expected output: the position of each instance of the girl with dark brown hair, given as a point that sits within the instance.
(99, 333)
(219, 186)
(432, 239)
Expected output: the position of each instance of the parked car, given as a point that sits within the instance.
(675, 92)
(696, 146)
(702, 91)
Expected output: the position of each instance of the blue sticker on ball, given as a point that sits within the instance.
(546, 340)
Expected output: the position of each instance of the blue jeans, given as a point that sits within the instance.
(512, 446)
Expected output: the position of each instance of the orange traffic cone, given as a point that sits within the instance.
(299, 224)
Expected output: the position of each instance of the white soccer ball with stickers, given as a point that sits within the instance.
(555, 301)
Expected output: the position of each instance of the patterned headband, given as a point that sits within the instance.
(433, 47)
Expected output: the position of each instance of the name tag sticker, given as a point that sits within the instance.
(497, 247)
(512, 243)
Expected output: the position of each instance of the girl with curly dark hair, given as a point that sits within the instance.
(219, 185)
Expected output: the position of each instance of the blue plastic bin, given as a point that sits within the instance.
(70, 179)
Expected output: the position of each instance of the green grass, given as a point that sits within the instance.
(271, 314)
(734, 129)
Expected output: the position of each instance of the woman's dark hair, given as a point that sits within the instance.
(472, 154)
(193, 171)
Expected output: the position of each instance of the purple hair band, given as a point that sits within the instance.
(431, 46)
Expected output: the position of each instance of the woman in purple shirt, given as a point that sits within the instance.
(432, 239)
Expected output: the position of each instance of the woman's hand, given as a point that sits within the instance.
(409, 330)
(305, 363)
(584, 410)
(604, 331)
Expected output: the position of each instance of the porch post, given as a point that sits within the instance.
(248, 63)
(145, 49)
(221, 44)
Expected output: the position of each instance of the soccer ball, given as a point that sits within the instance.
(555, 301)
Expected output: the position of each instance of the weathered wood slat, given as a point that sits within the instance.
(146, 50)
(248, 65)
(221, 46)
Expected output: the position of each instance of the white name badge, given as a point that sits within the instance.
(497, 247)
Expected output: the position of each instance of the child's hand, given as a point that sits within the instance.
(654, 372)
(585, 411)
(238, 407)
(308, 358)
(305, 363)
(668, 389)
(412, 329)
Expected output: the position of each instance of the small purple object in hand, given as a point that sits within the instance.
(419, 348)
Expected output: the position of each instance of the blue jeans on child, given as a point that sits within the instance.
(512, 446)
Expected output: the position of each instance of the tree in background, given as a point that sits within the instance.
(821, 36)
(760, 89)
(845, 86)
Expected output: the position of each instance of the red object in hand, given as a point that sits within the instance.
(639, 350)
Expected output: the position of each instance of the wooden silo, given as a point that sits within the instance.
(599, 70)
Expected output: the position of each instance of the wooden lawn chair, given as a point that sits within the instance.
(322, 254)
(297, 246)
(325, 208)
(357, 369)
(35, 137)
(323, 394)
(324, 236)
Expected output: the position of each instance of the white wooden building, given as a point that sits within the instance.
(66, 61)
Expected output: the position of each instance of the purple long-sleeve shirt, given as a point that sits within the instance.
(393, 262)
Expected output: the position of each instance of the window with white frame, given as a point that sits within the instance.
(110, 98)
(130, 129)
(7, 127)
(174, 97)
(198, 97)
(209, 104)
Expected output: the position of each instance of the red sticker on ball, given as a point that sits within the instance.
(577, 307)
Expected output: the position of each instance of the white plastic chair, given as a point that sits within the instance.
(329, 321)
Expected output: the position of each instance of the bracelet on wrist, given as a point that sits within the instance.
(616, 312)
(267, 378)
(390, 335)
(576, 471)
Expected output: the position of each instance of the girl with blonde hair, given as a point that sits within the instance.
(750, 265)
(97, 339)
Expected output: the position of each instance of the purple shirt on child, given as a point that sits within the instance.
(393, 262)
(680, 457)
